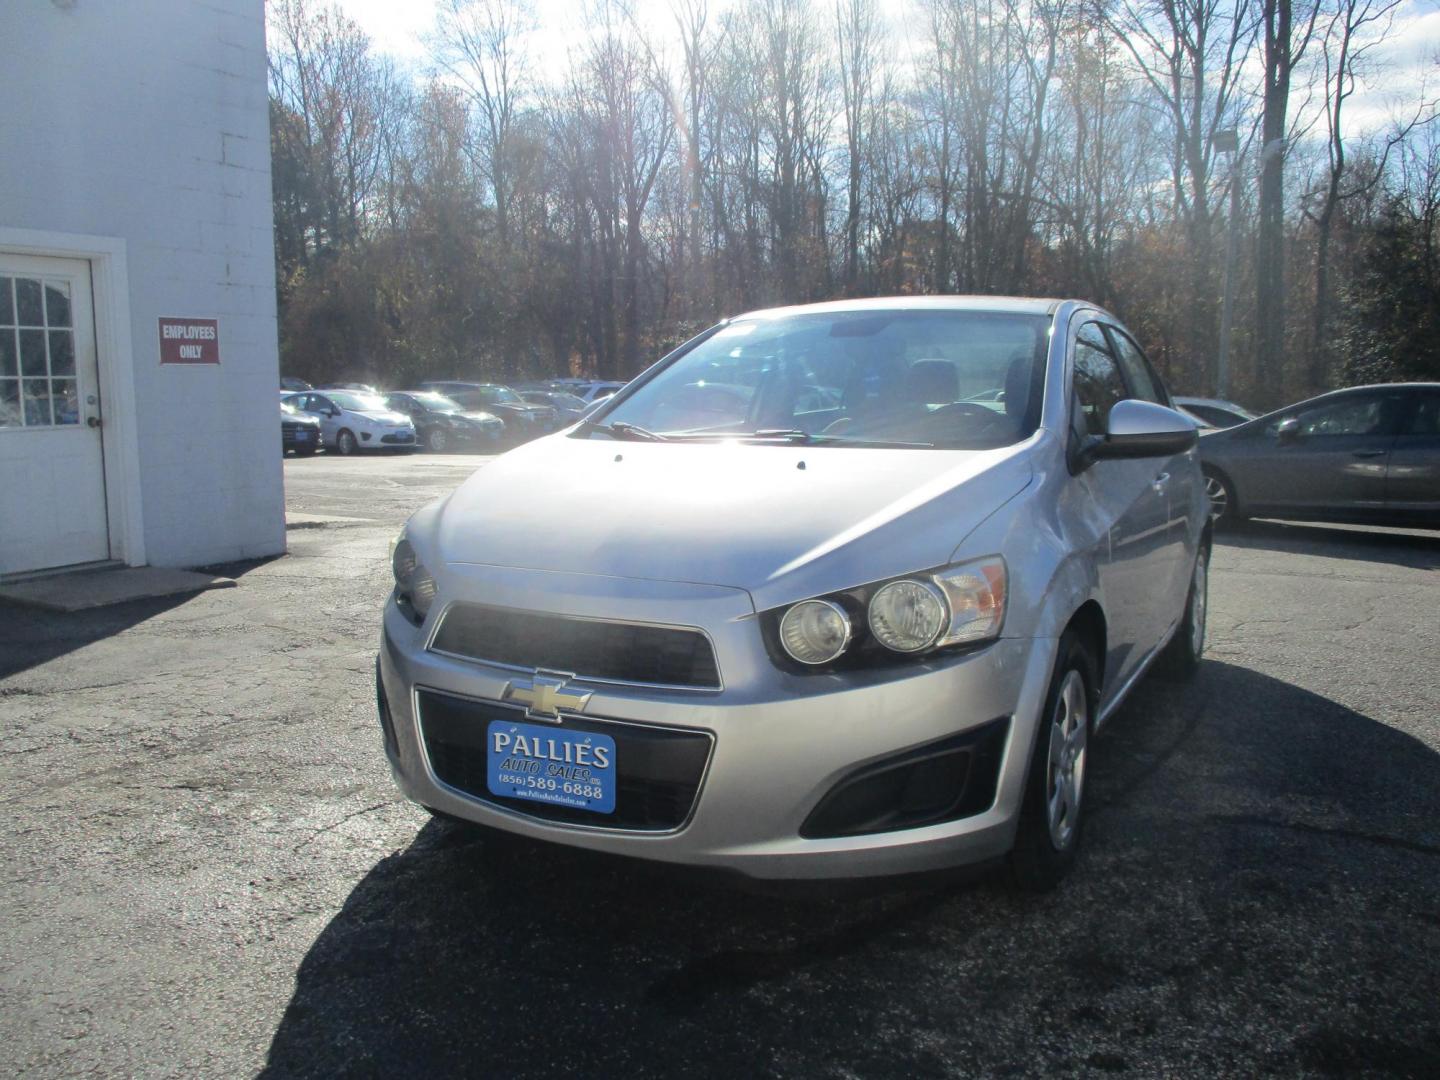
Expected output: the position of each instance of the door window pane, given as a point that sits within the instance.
(36, 401)
(1143, 384)
(1426, 418)
(7, 301)
(27, 302)
(62, 352)
(65, 401)
(10, 403)
(32, 352)
(1354, 416)
(9, 362)
(57, 303)
(1098, 387)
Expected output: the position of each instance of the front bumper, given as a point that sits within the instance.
(779, 743)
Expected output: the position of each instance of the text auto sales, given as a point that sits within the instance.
(567, 760)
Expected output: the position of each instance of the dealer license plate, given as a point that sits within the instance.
(551, 765)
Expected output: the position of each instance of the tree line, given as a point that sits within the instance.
(502, 215)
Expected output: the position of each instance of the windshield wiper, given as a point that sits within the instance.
(805, 438)
(621, 430)
(794, 435)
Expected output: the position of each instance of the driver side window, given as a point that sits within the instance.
(1097, 381)
(1355, 416)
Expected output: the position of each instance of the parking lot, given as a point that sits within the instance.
(208, 870)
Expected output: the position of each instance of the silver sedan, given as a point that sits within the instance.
(809, 598)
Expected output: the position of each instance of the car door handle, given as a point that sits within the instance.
(1160, 481)
(1366, 453)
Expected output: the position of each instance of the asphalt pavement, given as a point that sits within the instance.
(207, 870)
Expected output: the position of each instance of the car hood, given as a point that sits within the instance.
(780, 521)
(382, 416)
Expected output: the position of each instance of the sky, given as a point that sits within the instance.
(1412, 56)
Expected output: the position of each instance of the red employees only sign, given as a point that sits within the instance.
(189, 341)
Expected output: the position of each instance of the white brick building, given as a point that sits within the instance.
(136, 188)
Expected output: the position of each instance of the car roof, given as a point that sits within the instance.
(1021, 305)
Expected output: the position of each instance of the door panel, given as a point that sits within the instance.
(1412, 480)
(1337, 464)
(1129, 497)
(52, 470)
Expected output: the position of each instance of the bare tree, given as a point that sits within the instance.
(857, 40)
(479, 44)
(1192, 55)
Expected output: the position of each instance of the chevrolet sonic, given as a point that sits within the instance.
(832, 591)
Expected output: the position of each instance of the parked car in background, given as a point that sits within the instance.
(862, 639)
(442, 424)
(351, 421)
(596, 390)
(299, 431)
(364, 388)
(293, 385)
(568, 407)
(1370, 454)
(523, 420)
(1214, 412)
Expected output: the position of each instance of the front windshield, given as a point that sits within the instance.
(358, 402)
(437, 403)
(499, 395)
(941, 379)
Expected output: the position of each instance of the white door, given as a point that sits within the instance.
(52, 470)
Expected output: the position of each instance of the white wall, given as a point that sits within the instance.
(148, 120)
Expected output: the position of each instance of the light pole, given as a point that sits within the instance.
(1227, 141)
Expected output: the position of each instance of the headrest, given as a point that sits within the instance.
(932, 382)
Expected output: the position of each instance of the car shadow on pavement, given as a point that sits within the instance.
(1258, 893)
(1413, 548)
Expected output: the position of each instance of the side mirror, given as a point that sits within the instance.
(1142, 429)
(1288, 430)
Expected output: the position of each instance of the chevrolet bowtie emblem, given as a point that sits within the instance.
(545, 695)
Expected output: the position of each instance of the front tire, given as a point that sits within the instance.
(436, 441)
(345, 443)
(1052, 820)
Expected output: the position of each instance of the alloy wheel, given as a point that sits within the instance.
(1065, 772)
(345, 442)
(1219, 497)
(437, 440)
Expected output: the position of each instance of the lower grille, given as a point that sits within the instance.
(658, 770)
(403, 437)
(619, 652)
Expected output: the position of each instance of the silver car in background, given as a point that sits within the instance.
(805, 600)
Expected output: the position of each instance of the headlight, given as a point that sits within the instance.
(976, 592)
(815, 631)
(907, 615)
(414, 587)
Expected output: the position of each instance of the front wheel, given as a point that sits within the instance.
(1221, 496)
(345, 443)
(1052, 811)
(437, 442)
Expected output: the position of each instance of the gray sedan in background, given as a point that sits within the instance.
(1368, 455)
(821, 635)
